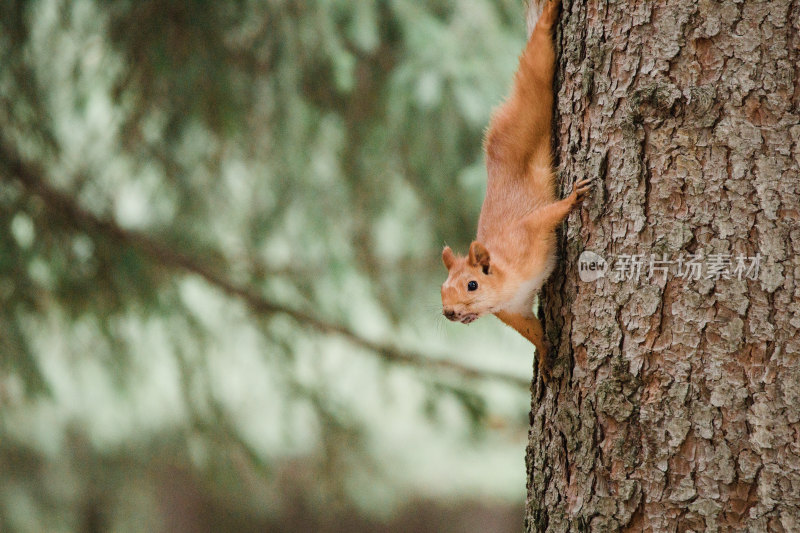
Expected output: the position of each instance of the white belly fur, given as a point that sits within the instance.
(522, 300)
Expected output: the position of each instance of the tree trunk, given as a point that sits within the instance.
(675, 401)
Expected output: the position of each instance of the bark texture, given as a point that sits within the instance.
(675, 403)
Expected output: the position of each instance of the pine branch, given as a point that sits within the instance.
(65, 206)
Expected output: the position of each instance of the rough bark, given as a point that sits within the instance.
(675, 403)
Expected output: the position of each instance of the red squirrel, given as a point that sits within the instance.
(515, 250)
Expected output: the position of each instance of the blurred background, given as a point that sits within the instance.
(220, 236)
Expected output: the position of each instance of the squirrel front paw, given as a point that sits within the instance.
(579, 191)
(545, 363)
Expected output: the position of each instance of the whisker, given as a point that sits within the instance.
(441, 327)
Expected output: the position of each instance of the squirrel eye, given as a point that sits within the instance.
(472, 285)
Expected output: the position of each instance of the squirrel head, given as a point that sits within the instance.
(473, 286)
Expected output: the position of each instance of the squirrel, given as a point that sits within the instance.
(515, 249)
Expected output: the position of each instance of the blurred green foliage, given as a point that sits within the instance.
(220, 228)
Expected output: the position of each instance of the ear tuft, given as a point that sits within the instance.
(479, 255)
(448, 258)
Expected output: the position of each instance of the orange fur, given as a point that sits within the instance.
(515, 249)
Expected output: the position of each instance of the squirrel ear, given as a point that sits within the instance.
(478, 255)
(447, 257)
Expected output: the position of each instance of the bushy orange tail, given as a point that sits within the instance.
(519, 133)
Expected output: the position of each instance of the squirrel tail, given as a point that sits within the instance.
(533, 10)
(519, 136)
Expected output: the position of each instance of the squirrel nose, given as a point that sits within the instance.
(449, 313)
